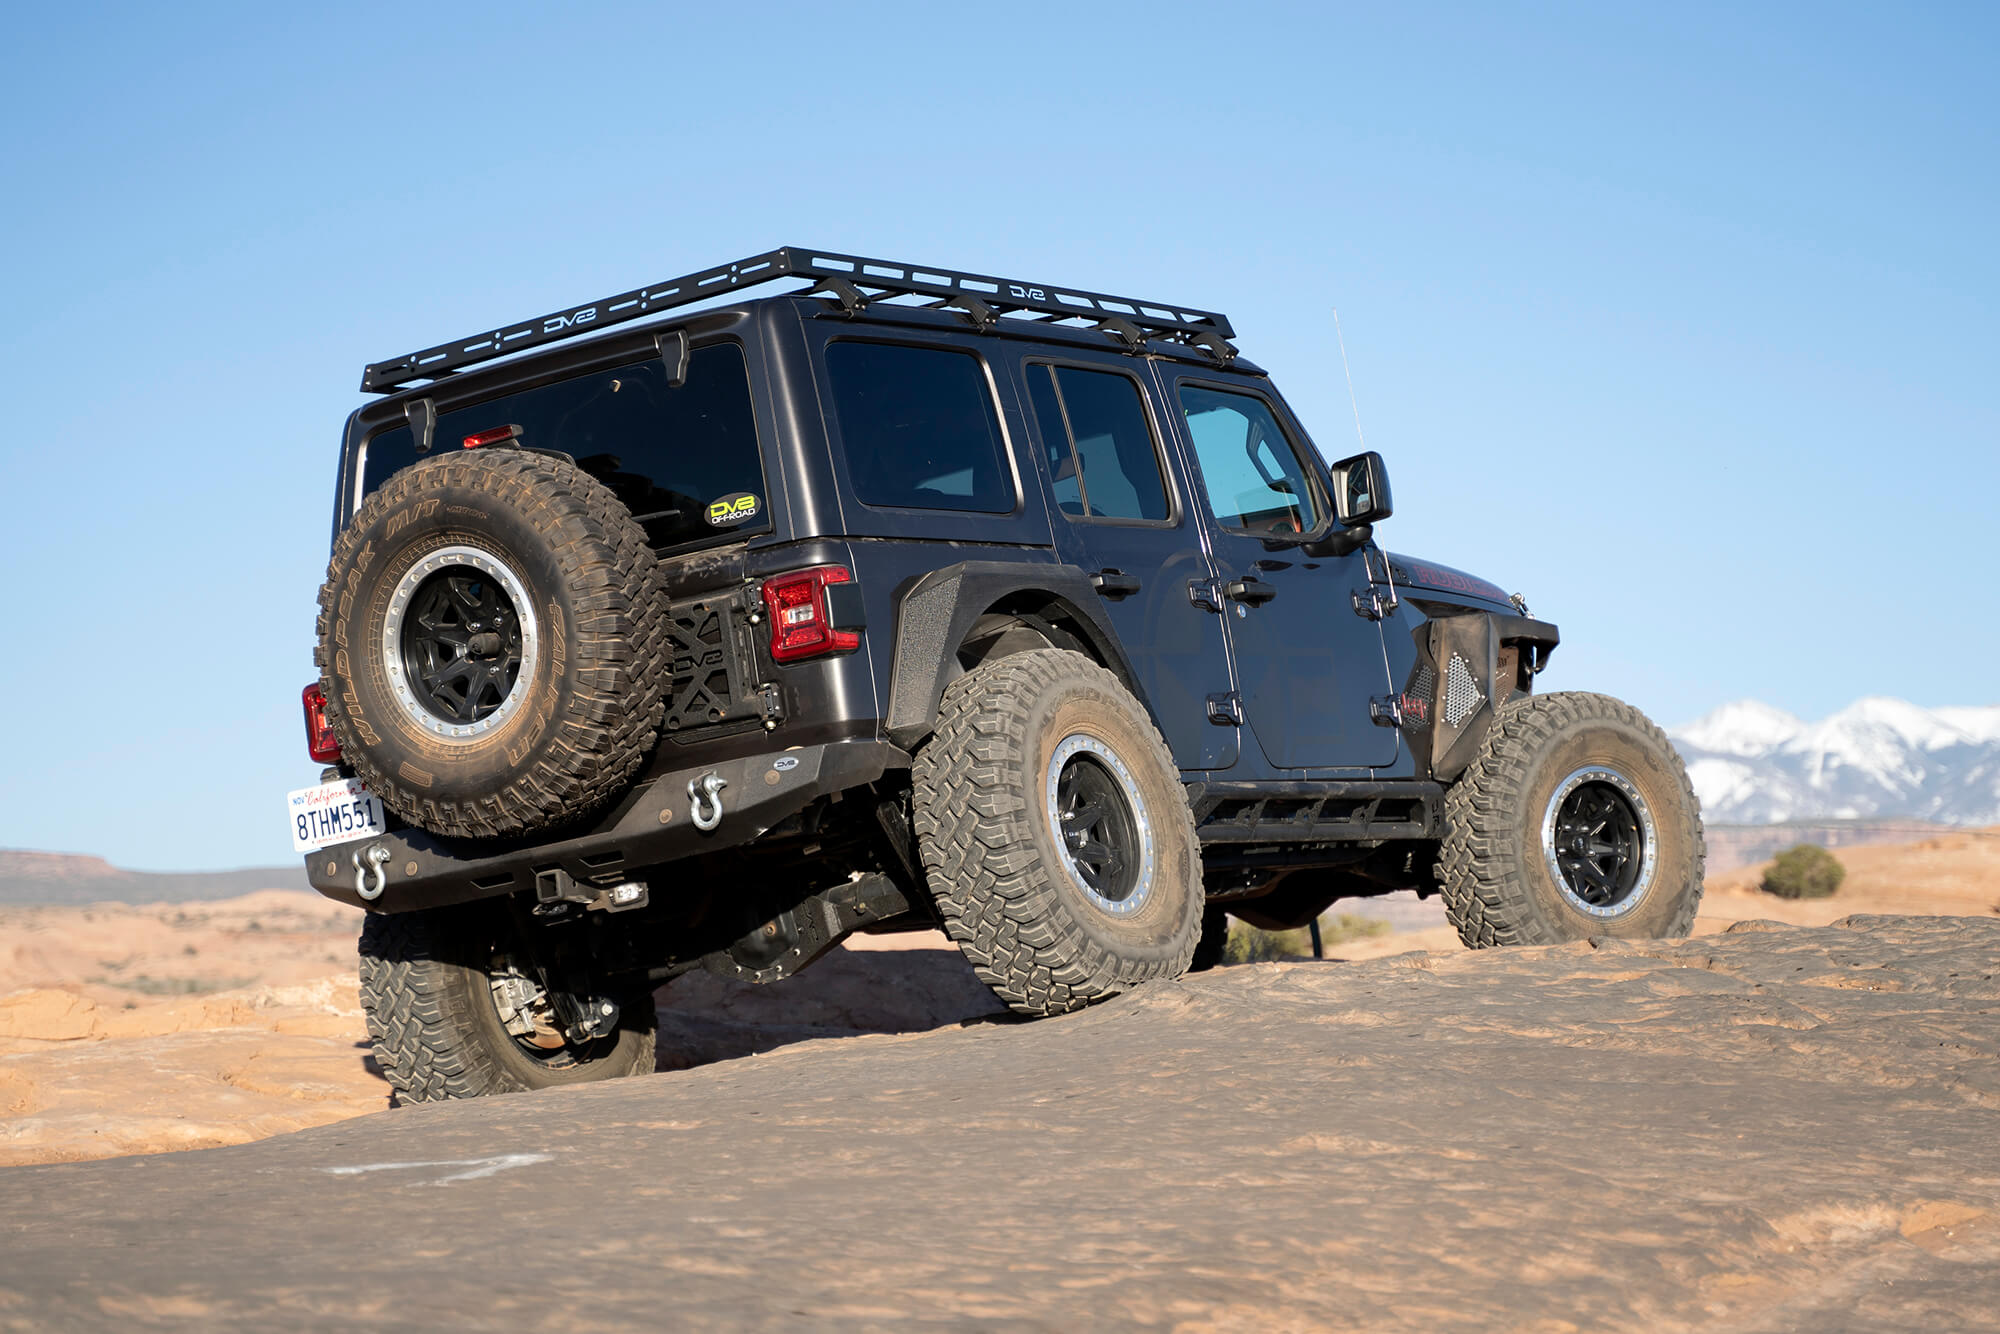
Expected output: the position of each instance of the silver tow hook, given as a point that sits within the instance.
(377, 857)
(708, 786)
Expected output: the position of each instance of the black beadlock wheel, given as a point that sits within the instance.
(1055, 833)
(439, 988)
(1575, 819)
(492, 643)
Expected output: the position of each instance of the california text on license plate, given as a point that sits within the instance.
(333, 813)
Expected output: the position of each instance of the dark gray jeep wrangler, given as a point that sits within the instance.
(906, 599)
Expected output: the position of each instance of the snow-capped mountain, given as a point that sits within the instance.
(1877, 758)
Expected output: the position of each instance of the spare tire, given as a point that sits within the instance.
(492, 643)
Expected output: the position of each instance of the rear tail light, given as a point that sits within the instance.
(801, 621)
(321, 743)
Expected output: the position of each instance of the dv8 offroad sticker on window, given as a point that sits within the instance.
(732, 510)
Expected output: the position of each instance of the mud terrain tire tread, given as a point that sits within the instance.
(416, 996)
(976, 834)
(618, 645)
(1480, 865)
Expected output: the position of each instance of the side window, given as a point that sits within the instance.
(1101, 453)
(919, 428)
(1253, 478)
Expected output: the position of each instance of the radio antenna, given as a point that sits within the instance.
(1353, 402)
(1388, 570)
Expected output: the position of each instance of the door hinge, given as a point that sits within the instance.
(1226, 710)
(1381, 594)
(1385, 710)
(1206, 594)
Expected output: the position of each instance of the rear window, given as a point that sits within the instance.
(683, 459)
(919, 428)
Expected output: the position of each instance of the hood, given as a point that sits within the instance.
(1422, 576)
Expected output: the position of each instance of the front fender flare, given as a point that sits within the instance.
(1457, 682)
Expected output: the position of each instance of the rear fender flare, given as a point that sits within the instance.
(935, 614)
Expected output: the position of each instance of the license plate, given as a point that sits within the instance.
(334, 813)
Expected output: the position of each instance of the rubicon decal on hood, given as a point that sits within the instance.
(1425, 574)
(732, 509)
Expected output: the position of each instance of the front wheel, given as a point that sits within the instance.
(460, 1006)
(1575, 819)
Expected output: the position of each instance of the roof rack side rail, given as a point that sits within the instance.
(980, 296)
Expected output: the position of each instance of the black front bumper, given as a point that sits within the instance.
(651, 825)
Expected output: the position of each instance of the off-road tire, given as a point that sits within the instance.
(1493, 870)
(426, 991)
(990, 850)
(593, 690)
(1214, 942)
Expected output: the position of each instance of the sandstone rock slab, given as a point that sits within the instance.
(1772, 1128)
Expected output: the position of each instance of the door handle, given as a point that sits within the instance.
(1251, 590)
(1115, 584)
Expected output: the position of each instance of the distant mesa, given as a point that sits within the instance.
(1876, 759)
(62, 877)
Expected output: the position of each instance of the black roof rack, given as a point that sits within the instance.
(853, 281)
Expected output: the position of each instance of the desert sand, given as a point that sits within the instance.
(146, 1028)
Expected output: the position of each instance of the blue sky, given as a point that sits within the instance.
(1677, 319)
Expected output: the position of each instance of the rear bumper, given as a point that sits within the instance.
(651, 825)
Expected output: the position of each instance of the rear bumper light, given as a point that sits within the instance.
(321, 743)
(804, 623)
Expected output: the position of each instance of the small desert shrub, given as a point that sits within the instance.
(1247, 944)
(173, 986)
(1807, 871)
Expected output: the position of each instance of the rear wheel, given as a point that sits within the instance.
(1575, 819)
(459, 1006)
(1055, 833)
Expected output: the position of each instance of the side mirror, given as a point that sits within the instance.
(1361, 490)
(1360, 499)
